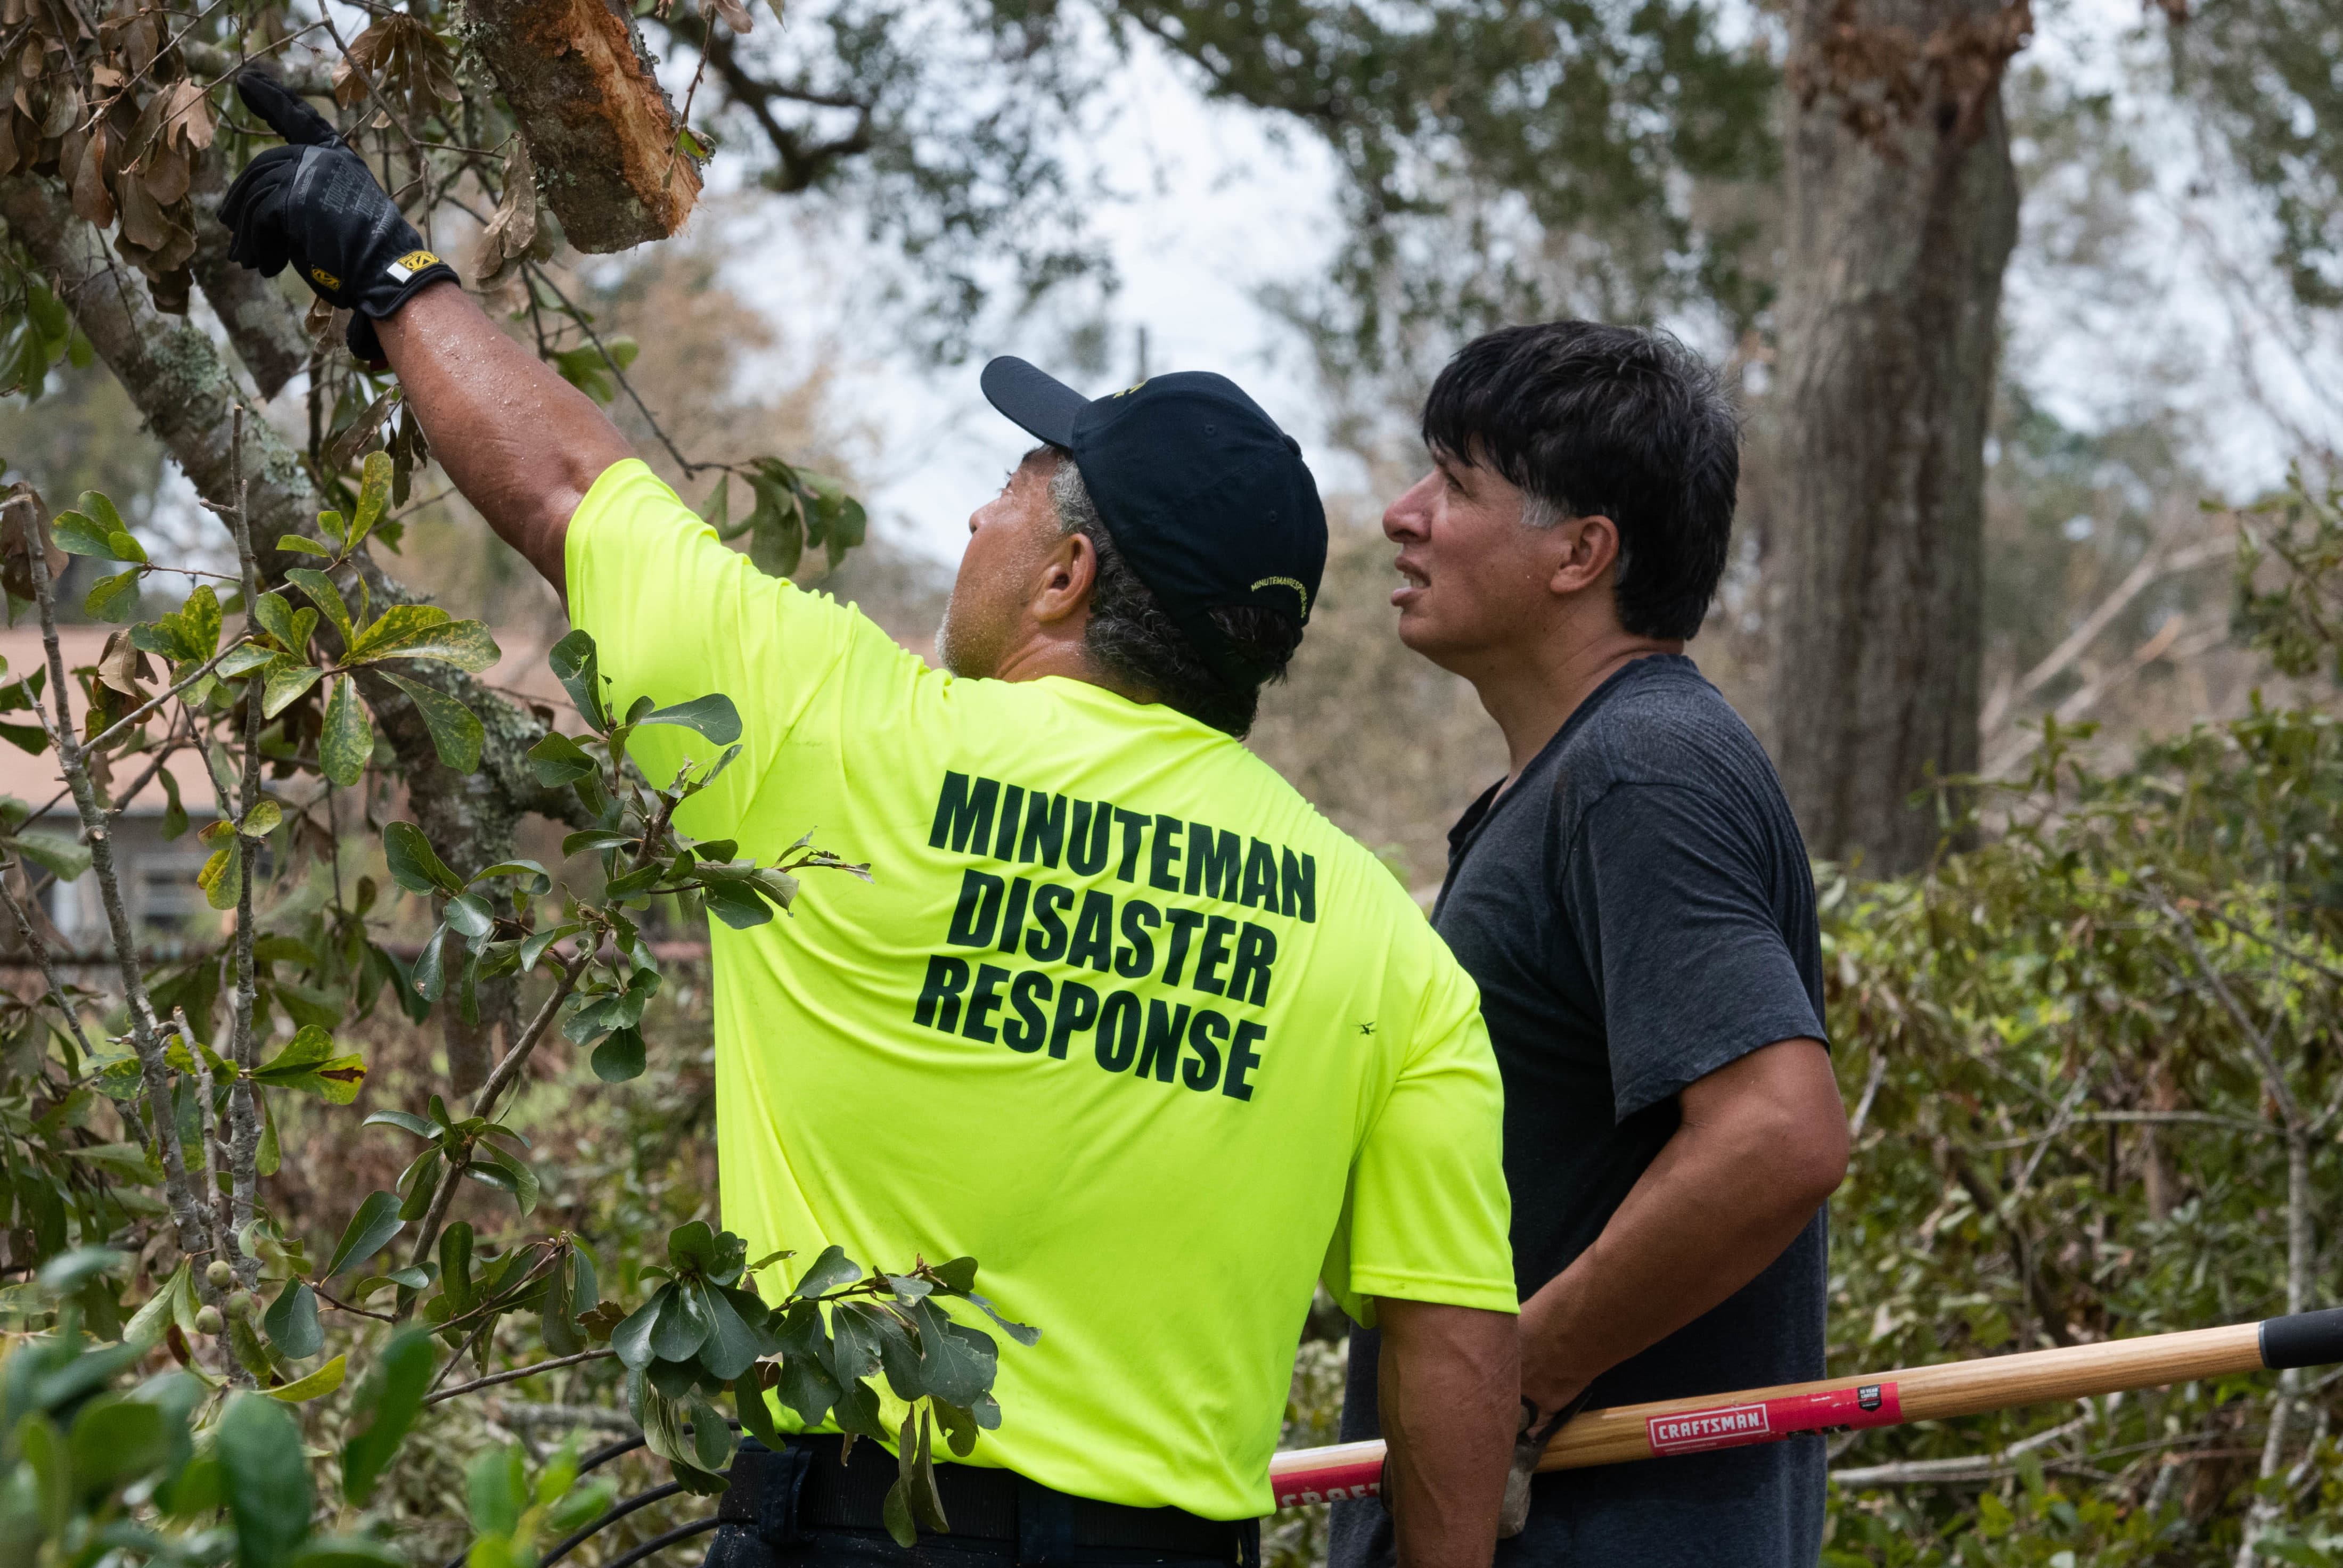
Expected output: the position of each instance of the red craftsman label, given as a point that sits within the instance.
(1766, 1421)
(1347, 1470)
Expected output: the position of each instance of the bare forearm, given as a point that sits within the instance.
(1762, 1144)
(521, 444)
(1450, 1380)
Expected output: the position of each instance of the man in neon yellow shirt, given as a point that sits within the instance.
(1121, 1016)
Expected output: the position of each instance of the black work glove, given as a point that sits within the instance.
(313, 203)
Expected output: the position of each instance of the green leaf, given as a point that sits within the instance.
(348, 1552)
(717, 514)
(114, 1439)
(250, 657)
(956, 1364)
(457, 733)
(425, 631)
(414, 864)
(712, 716)
(322, 1381)
(756, 1415)
(345, 744)
(620, 1057)
(402, 1118)
(572, 661)
(78, 534)
(470, 915)
(556, 759)
(737, 904)
(325, 597)
(806, 1385)
(308, 1063)
(291, 1321)
(496, 1167)
(285, 683)
(221, 875)
(630, 1341)
(594, 838)
(370, 1230)
(374, 495)
(268, 1495)
(116, 598)
(684, 1325)
(733, 1345)
(65, 858)
(827, 1273)
(274, 614)
(263, 819)
(428, 977)
(386, 1403)
(302, 544)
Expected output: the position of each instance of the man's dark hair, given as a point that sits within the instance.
(1130, 636)
(1592, 420)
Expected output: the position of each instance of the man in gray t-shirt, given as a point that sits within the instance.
(1635, 901)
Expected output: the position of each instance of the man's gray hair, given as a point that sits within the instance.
(1131, 637)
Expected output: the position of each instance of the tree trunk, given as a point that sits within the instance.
(1902, 210)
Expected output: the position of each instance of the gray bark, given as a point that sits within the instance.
(1902, 211)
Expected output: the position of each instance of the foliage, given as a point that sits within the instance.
(135, 1152)
(2092, 1066)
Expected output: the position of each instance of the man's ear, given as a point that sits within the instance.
(1063, 580)
(1589, 547)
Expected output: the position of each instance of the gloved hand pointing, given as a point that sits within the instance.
(314, 203)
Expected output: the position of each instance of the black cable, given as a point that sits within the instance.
(661, 1543)
(610, 1452)
(618, 1511)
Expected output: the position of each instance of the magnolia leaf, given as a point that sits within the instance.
(556, 759)
(414, 864)
(370, 1230)
(285, 684)
(457, 733)
(308, 1063)
(346, 743)
(383, 1409)
(712, 716)
(115, 599)
(291, 1322)
(325, 597)
(425, 631)
(620, 1057)
(572, 661)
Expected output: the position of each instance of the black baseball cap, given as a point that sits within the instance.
(1206, 497)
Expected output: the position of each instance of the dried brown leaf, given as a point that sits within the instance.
(736, 16)
(122, 667)
(512, 230)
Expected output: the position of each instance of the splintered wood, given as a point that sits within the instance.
(600, 132)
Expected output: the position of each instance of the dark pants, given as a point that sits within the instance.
(803, 1508)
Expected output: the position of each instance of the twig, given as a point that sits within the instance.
(40, 951)
(516, 1373)
(243, 1112)
(340, 1305)
(619, 373)
(154, 1067)
(484, 1102)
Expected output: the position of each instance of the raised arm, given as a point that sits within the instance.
(522, 445)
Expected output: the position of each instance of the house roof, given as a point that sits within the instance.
(520, 673)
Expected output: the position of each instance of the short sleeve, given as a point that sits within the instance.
(1672, 909)
(1427, 1216)
(675, 615)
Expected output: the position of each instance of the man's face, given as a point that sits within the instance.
(1007, 538)
(1476, 576)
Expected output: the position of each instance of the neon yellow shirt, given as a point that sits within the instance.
(1122, 1016)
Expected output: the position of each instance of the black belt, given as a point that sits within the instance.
(775, 1498)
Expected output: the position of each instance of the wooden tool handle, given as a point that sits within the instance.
(1694, 1425)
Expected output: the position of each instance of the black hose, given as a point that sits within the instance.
(661, 1543)
(610, 1452)
(618, 1511)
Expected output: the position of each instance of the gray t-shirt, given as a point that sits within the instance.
(1638, 911)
